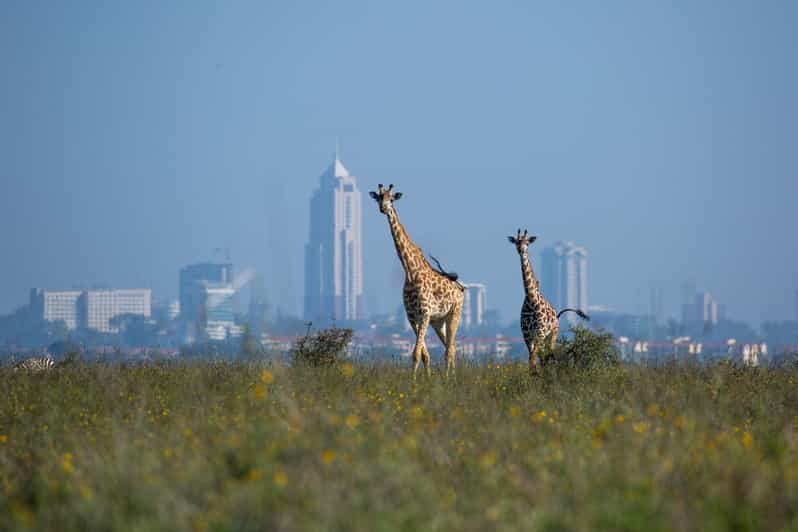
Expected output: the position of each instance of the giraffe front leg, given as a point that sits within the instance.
(421, 347)
(534, 361)
(451, 337)
(425, 359)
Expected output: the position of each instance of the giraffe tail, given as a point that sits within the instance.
(578, 313)
(452, 276)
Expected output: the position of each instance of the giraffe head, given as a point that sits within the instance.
(385, 198)
(521, 240)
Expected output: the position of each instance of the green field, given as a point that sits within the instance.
(215, 446)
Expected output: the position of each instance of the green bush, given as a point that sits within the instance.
(324, 348)
(586, 350)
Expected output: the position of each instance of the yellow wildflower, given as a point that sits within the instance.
(347, 370)
(3, 438)
(639, 427)
(515, 411)
(280, 479)
(327, 457)
(748, 440)
(352, 421)
(619, 418)
(254, 474)
(266, 377)
(259, 391)
(487, 460)
(66, 463)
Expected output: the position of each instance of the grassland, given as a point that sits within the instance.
(261, 446)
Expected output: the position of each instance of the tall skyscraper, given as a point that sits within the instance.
(564, 276)
(657, 308)
(333, 258)
(474, 304)
(688, 295)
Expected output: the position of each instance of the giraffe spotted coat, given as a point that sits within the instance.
(430, 298)
(539, 323)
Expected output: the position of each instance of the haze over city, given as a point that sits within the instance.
(138, 138)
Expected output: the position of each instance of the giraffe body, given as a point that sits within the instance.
(429, 296)
(539, 322)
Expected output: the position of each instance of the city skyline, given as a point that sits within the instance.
(666, 150)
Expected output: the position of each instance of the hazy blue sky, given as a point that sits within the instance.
(136, 137)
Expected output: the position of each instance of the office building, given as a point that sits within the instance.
(333, 254)
(193, 280)
(98, 308)
(90, 309)
(564, 277)
(54, 306)
(474, 305)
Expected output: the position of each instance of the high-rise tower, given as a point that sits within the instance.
(333, 257)
(564, 276)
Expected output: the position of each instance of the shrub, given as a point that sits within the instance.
(586, 350)
(324, 348)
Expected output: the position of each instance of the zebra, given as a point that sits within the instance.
(35, 364)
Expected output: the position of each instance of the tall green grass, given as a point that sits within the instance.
(253, 447)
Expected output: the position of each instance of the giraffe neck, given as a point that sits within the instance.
(410, 255)
(531, 285)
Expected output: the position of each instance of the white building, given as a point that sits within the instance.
(97, 308)
(564, 277)
(92, 309)
(474, 304)
(55, 306)
(333, 255)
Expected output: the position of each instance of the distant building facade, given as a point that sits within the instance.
(474, 305)
(90, 309)
(193, 280)
(704, 311)
(165, 311)
(98, 308)
(54, 306)
(333, 254)
(564, 276)
(207, 295)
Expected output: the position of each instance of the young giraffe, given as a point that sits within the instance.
(539, 322)
(431, 297)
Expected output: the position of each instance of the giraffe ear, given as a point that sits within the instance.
(373, 195)
(532, 239)
(397, 196)
(512, 240)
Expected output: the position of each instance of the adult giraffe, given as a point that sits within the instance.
(431, 297)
